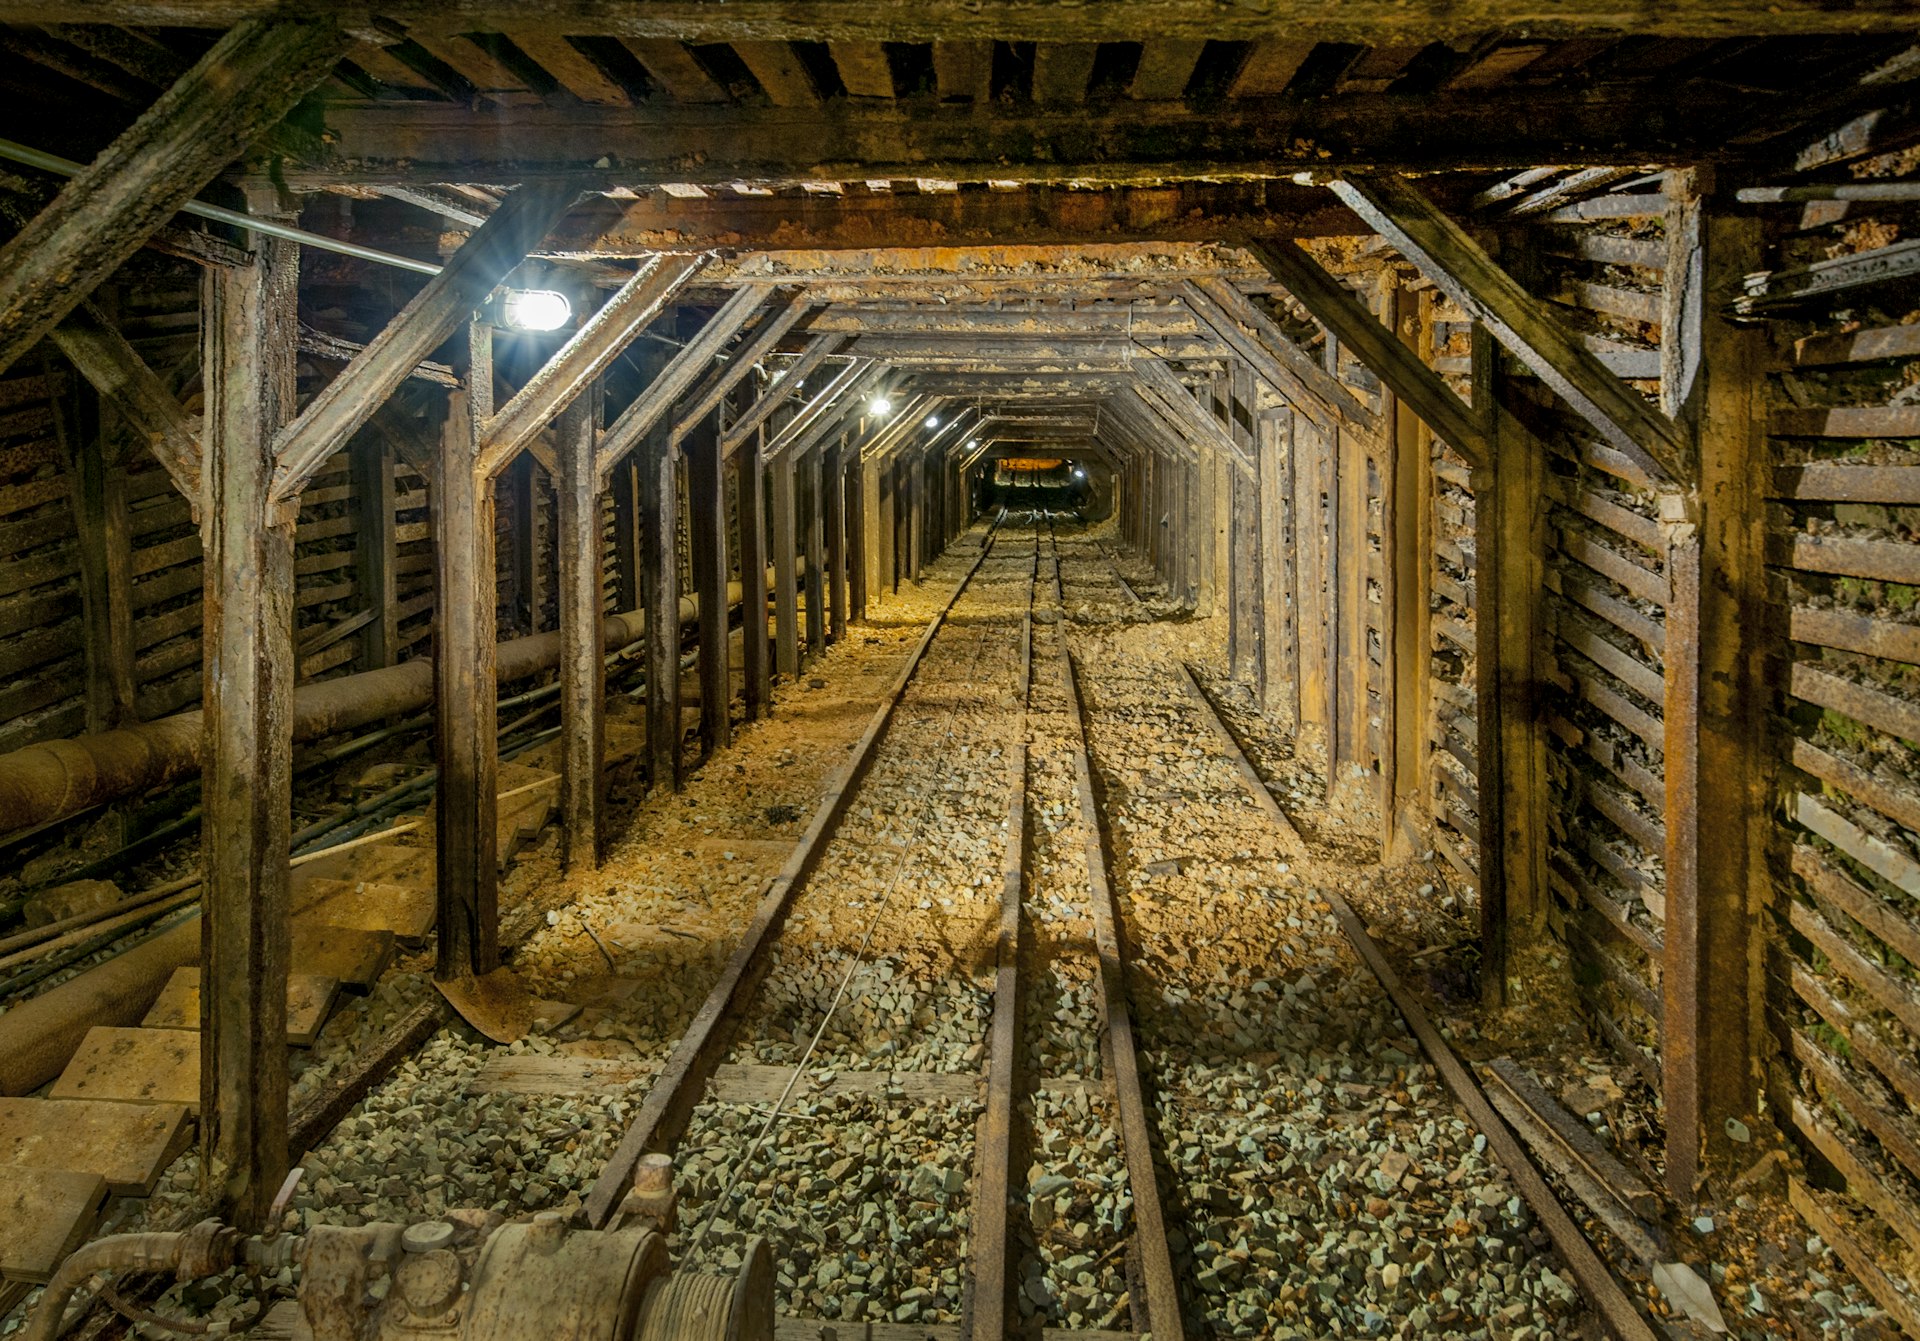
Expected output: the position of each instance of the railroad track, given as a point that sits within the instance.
(1045, 1027)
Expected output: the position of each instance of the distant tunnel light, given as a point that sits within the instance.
(933, 421)
(535, 310)
(972, 443)
(1078, 473)
(880, 405)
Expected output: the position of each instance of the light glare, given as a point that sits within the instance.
(933, 421)
(880, 405)
(535, 310)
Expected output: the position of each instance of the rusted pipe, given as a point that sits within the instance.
(40, 1035)
(205, 1250)
(57, 779)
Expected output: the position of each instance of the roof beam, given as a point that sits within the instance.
(447, 302)
(1334, 306)
(577, 364)
(241, 88)
(401, 142)
(844, 390)
(1160, 386)
(1457, 264)
(658, 396)
(1369, 22)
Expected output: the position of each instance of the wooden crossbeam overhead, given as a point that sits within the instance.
(658, 397)
(1197, 211)
(1368, 22)
(245, 83)
(421, 143)
(1137, 320)
(1336, 308)
(576, 365)
(1463, 270)
(434, 314)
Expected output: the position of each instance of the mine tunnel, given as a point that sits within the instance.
(956, 671)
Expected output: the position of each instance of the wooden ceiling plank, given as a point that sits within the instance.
(1497, 64)
(139, 58)
(963, 71)
(864, 68)
(674, 68)
(1062, 71)
(570, 66)
(1376, 21)
(659, 396)
(475, 64)
(1269, 68)
(246, 83)
(1165, 68)
(389, 69)
(781, 75)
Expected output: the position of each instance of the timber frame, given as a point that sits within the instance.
(1429, 347)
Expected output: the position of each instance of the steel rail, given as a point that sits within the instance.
(1153, 1253)
(677, 1088)
(1589, 1270)
(985, 1311)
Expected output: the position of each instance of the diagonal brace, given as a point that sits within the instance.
(1335, 306)
(1520, 322)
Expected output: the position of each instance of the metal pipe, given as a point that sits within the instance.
(66, 167)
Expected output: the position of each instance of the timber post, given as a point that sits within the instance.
(583, 668)
(247, 779)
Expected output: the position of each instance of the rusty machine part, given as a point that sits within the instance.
(472, 1276)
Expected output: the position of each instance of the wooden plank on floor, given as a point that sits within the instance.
(588, 1076)
(44, 1215)
(129, 1145)
(352, 956)
(309, 1000)
(134, 1066)
(368, 905)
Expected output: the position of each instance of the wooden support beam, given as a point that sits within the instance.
(750, 484)
(793, 375)
(660, 395)
(855, 486)
(583, 667)
(465, 691)
(1254, 336)
(247, 81)
(1363, 22)
(706, 398)
(375, 556)
(247, 751)
(786, 584)
(449, 299)
(659, 468)
(97, 464)
(1719, 785)
(707, 537)
(1510, 788)
(1346, 317)
(526, 552)
(627, 533)
(816, 536)
(1521, 323)
(102, 355)
(836, 524)
(578, 364)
